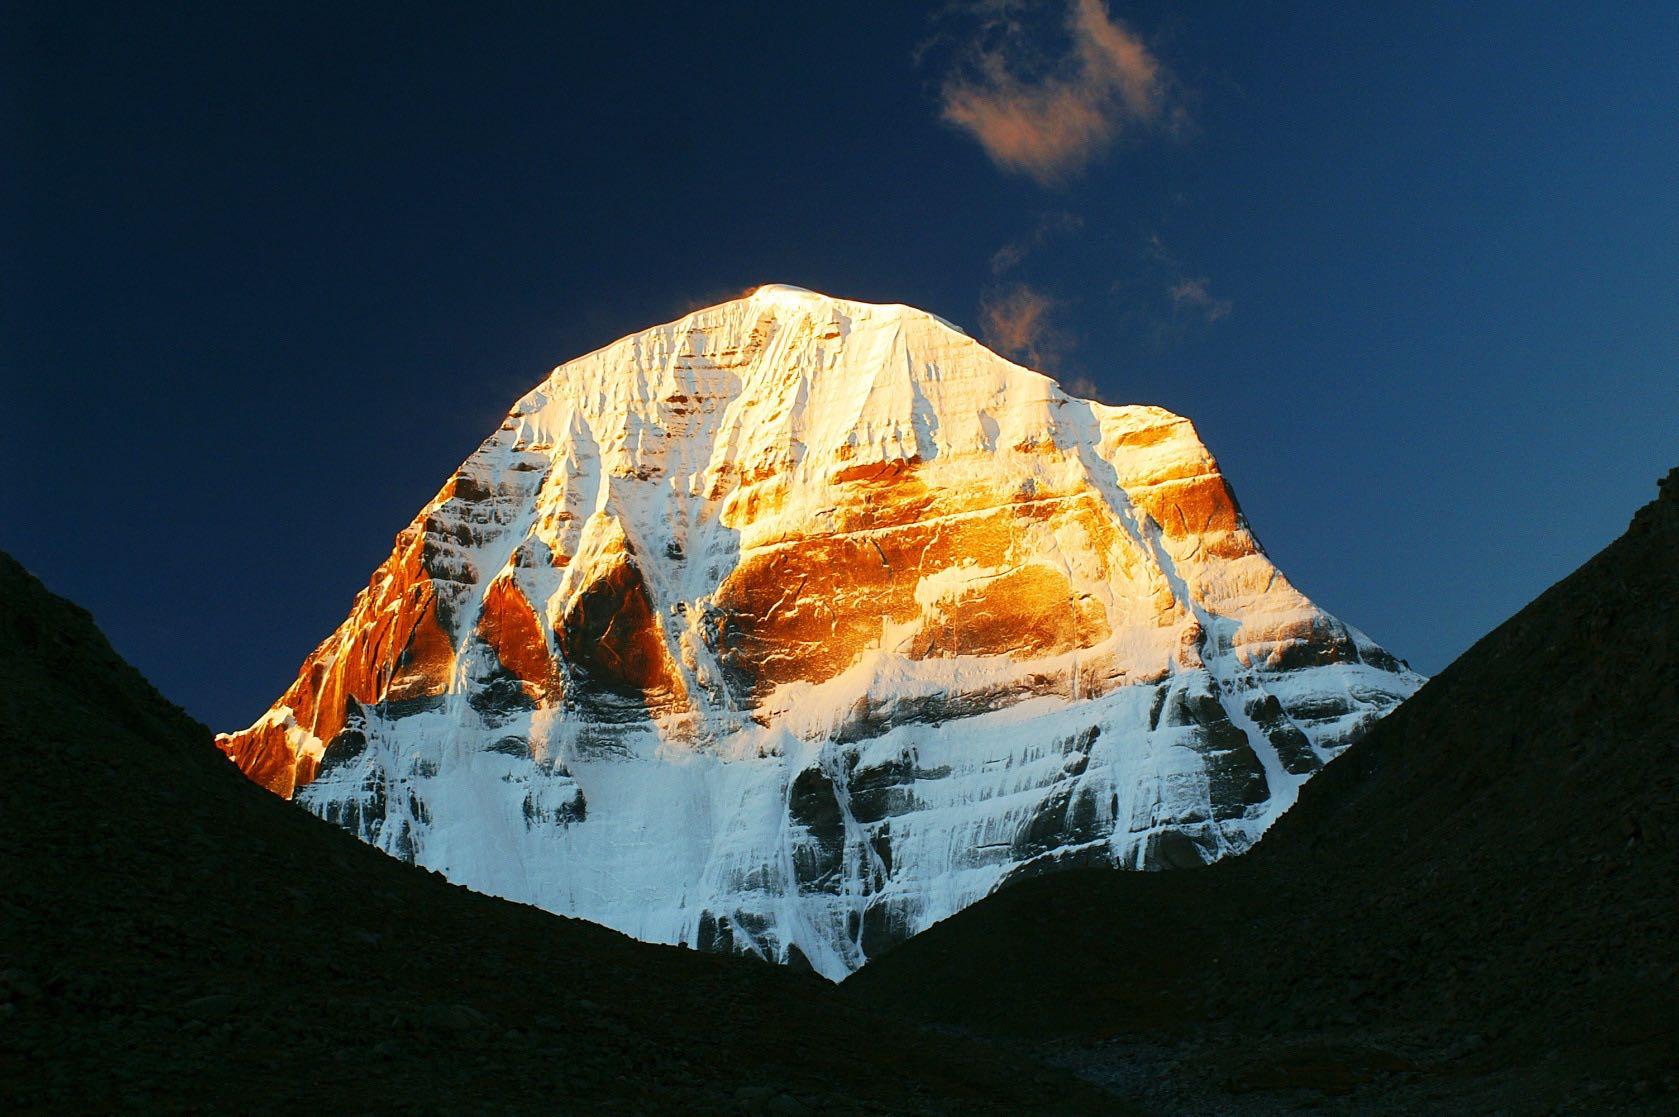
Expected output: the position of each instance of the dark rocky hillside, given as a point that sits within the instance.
(1475, 910)
(173, 938)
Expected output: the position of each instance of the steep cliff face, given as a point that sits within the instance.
(799, 624)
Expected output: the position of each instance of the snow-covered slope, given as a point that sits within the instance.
(798, 624)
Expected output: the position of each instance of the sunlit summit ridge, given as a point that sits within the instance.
(798, 624)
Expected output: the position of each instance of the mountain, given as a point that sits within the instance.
(173, 939)
(797, 625)
(1475, 910)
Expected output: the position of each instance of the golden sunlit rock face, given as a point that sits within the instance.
(918, 572)
(751, 593)
(393, 648)
(611, 639)
(511, 629)
(915, 560)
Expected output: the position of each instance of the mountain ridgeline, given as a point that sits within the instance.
(795, 626)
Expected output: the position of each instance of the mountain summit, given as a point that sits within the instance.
(798, 624)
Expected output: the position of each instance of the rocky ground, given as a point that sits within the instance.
(175, 939)
(1475, 911)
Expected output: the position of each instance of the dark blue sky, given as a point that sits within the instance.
(271, 273)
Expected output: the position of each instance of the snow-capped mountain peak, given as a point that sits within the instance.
(797, 624)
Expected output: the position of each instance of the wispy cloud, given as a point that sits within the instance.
(1019, 323)
(1049, 226)
(1049, 119)
(1191, 296)
(1022, 322)
(1085, 388)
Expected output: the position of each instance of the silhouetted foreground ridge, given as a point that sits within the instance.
(1475, 910)
(175, 938)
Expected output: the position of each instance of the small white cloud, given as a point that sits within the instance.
(1052, 124)
(1049, 225)
(1192, 296)
(1019, 323)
